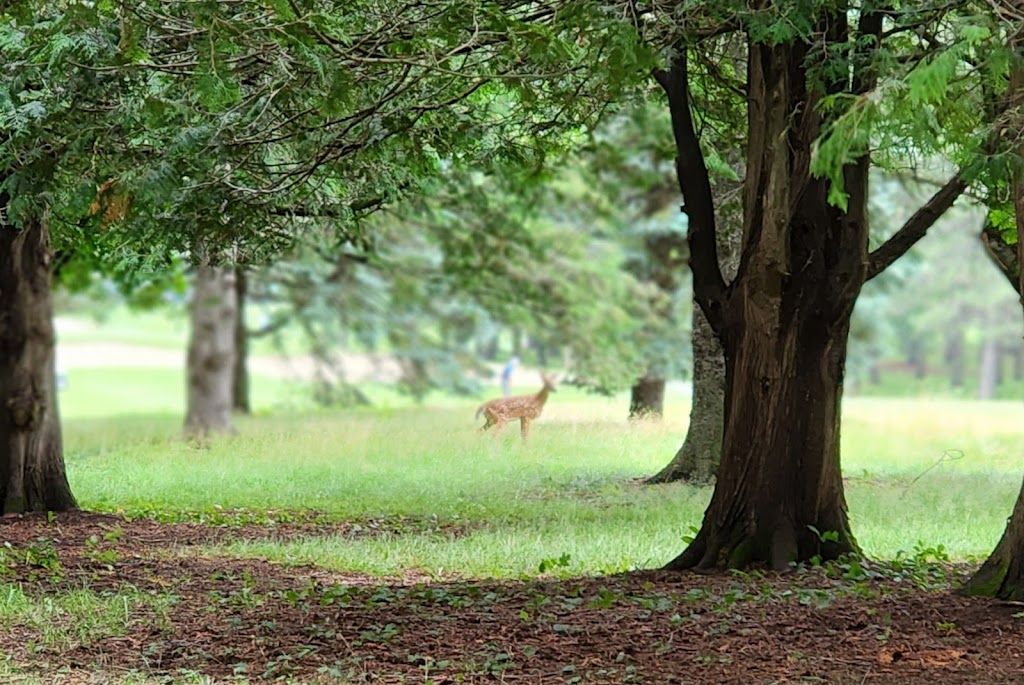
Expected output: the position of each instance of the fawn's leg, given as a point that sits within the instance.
(487, 423)
(499, 426)
(524, 427)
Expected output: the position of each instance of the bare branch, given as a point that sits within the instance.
(709, 286)
(916, 226)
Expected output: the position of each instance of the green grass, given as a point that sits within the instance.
(66, 619)
(571, 491)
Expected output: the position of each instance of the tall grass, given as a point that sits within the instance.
(572, 491)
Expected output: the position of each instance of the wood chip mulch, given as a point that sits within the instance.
(234, 619)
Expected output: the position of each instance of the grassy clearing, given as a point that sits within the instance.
(571, 492)
(69, 619)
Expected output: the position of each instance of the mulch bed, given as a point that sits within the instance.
(257, 620)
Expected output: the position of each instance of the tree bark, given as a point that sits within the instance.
(1002, 574)
(784, 321)
(240, 401)
(989, 369)
(647, 398)
(697, 458)
(783, 324)
(780, 474)
(211, 351)
(32, 474)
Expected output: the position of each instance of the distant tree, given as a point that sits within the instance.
(475, 252)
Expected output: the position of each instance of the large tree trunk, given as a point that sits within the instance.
(784, 321)
(784, 325)
(780, 474)
(211, 351)
(647, 398)
(240, 373)
(32, 475)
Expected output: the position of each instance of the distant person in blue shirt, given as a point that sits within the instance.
(506, 376)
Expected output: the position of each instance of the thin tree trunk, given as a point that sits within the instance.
(211, 351)
(517, 343)
(875, 373)
(989, 369)
(698, 457)
(916, 358)
(540, 350)
(647, 398)
(954, 355)
(32, 475)
(240, 373)
(487, 347)
(1000, 364)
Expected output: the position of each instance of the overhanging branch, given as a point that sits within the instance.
(916, 226)
(709, 287)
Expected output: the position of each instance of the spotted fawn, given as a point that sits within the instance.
(523, 407)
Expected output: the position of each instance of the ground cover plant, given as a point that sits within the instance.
(402, 546)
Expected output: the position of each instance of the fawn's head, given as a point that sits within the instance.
(549, 382)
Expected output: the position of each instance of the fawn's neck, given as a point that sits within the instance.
(542, 396)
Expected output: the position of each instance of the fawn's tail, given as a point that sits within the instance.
(479, 411)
